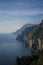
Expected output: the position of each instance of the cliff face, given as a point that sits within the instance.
(24, 35)
(33, 36)
(37, 37)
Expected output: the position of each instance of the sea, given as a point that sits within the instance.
(10, 48)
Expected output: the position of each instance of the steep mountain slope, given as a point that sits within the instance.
(33, 36)
(37, 37)
(39, 32)
(23, 28)
(26, 32)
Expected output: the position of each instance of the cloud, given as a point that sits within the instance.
(21, 12)
(21, 4)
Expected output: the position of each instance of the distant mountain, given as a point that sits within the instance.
(25, 32)
(23, 28)
(33, 36)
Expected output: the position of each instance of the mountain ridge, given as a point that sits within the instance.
(33, 36)
(22, 28)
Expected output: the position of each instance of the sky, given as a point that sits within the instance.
(16, 13)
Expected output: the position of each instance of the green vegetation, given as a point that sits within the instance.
(37, 55)
(25, 33)
(33, 32)
(38, 33)
(35, 59)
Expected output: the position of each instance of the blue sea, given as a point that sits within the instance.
(10, 48)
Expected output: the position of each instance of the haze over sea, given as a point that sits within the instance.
(10, 48)
(13, 15)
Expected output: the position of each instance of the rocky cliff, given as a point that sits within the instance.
(35, 40)
(33, 36)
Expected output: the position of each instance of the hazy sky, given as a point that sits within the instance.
(15, 13)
